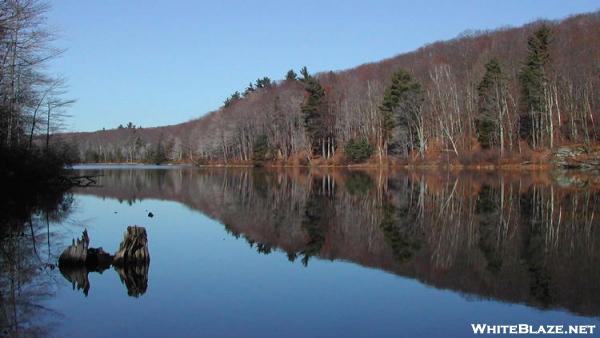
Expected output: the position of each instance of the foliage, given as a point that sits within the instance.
(313, 109)
(359, 150)
(31, 101)
(160, 152)
(490, 92)
(249, 89)
(402, 103)
(236, 96)
(264, 82)
(533, 81)
(34, 169)
(291, 75)
(261, 148)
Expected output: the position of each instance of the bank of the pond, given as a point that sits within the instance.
(566, 157)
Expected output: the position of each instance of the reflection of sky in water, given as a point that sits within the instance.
(204, 282)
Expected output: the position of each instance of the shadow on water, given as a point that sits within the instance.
(530, 238)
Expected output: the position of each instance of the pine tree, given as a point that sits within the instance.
(402, 103)
(535, 120)
(249, 89)
(260, 148)
(493, 108)
(291, 75)
(265, 82)
(159, 154)
(305, 74)
(234, 97)
(313, 110)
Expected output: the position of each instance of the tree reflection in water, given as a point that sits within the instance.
(27, 261)
(519, 237)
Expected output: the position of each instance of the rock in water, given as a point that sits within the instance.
(134, 247)
(76, 253)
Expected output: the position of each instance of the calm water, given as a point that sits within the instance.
(290, 253)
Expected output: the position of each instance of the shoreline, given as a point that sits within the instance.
(427, 166)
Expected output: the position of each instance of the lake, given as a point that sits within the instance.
(308, 253)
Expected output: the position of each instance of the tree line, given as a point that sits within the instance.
(502, 95)
(32, 103)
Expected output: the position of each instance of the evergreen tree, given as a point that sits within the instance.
(265, 82)
(234, 97)
(535, 120)
(159, 154)
(291, 75)
(313, 109)
(260, 148)
(249, 89)
(402, 103)
(305, 74)
(359, 150)
(492, 92)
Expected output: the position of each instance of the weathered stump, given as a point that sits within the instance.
(131, 261)
(134, 247)
(76, 253)
(80, 254)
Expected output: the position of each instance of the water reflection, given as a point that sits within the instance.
(517, 237)
(27, 261)
(131, 262)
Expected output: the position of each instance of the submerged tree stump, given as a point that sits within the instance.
(76, 253)
(79, 253)
(131, 261)
(134, 247)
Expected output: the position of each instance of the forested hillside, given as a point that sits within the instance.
(504, 96)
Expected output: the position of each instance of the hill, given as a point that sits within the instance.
(502, 96)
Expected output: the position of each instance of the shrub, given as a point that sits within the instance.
(359, 150)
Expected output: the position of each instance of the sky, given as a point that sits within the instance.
(165, 62)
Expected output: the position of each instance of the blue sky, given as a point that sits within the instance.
(164, 62)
